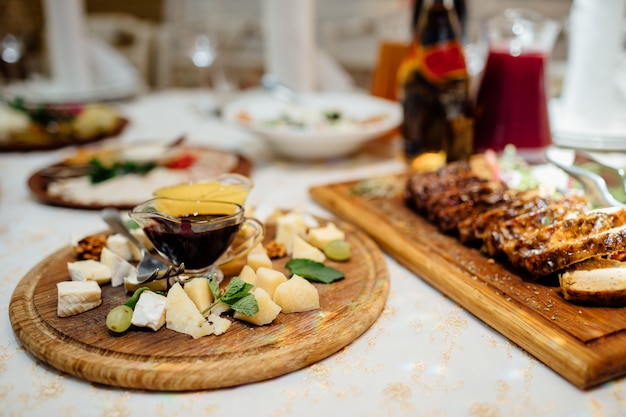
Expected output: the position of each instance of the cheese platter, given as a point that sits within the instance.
(166, 360)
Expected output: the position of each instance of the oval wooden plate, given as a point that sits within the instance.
(169, 361)
(38, 184)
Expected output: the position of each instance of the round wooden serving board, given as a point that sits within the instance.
(169, 361)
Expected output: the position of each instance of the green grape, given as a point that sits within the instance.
(338, 250)
(118, 319)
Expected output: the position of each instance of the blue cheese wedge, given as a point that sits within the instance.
(75, 297)
(149, 310)
(120, 268)
(89, 270)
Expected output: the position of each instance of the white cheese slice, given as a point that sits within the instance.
(120, 245)
(182, 315)
(150, 310)
(89, 270)
(120, 268)
(75, 297)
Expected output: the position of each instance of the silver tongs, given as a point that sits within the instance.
(595, 185)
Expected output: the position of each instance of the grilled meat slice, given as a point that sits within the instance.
(420, 187)
(560, 254)
(449, 217)
(476, 192)
(510, 230)
(567, 241)
(595, 281)
(515, 203)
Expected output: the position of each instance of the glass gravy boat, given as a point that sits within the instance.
(201, 234)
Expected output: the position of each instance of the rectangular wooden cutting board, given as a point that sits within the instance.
(585, 345)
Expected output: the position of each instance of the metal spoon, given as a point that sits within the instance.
(150, 266)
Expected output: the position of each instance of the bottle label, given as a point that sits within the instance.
(438, 63)
(443, 61)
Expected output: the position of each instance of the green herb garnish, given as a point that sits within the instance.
(237, 295)
(132, 301)
(98, 172)
(314, 271)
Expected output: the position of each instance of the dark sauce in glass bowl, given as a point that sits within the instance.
(197, 247)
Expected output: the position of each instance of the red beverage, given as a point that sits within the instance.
(196, 244)
(511, 106)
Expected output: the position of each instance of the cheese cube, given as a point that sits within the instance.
(120, 268)
(288, 226)
(297, 295)
(220, 324)
(219, 308)
(320, 236)
(198, 290)
(182, 315)
(120, 245)
(303, 250)
(247, 274)
(75, 297)
(269, 279)
(89, 270)
(268, 309)
(150, 310)
(257, 258)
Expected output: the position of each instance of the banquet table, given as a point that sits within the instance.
(424, 356)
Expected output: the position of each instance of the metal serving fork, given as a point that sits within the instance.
(150, 267)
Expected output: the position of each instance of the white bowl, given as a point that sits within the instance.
(366, 117)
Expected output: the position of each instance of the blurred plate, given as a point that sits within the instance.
(568, 134)
(126, 192)
(308, 135)
(26, 126)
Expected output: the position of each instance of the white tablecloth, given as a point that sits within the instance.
(425, 356)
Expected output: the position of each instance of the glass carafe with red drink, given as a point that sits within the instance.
(512, 100)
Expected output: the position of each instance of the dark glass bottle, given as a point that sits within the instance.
(438, 112)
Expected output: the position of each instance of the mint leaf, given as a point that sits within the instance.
(236, 289)
(314, 271)
(215, 288)
(237, 295)
(246, 305)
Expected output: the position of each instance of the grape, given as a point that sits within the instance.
(338, 250)
(118, 319)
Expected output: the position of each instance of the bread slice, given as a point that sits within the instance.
(596, 281)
